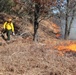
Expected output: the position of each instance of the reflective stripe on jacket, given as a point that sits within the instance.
(8, 26)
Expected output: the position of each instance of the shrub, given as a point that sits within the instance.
(6, 5)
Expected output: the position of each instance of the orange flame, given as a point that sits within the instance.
(70, 47)
(54, 25)
(58, 35)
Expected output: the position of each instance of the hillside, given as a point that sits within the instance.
(23, 56)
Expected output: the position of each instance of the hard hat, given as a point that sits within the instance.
(9, 19)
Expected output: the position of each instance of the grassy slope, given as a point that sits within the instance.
(26, 57)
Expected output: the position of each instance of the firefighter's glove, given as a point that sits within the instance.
(13, 33)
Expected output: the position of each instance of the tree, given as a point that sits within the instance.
(70, 11)
(67, 9)
(36, 16)
(36, 10)
(41, 7)
(66, 21)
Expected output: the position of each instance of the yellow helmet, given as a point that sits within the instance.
(9, 19)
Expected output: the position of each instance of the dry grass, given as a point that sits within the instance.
(31, 58)
(26, 57)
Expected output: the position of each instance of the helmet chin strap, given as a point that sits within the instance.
(9, 21)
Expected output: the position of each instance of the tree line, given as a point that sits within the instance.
(41, 9)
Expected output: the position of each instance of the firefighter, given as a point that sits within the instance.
(8, 28)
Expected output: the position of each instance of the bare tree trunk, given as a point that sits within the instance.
(71, 22)
(66, 27)
(66, 23)
(36, 23)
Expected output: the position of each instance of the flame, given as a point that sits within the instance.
(70, 47)
(58, 35)
(54, 25)
(56, 28)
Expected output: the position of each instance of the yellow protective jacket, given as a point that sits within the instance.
(8, 26)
